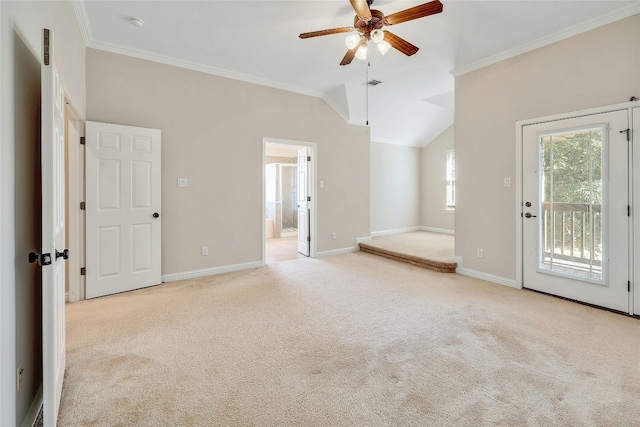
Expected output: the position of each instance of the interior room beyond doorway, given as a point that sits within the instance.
(285, 183)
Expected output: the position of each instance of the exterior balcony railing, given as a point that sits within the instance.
(572, 239)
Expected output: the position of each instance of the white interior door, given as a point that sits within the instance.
(304, 203)
(53, 233)
(575, 209)
(122, 208)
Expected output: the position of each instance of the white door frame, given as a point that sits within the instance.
(519, 182)
(75, 226)
(311, 176)
(7, 335)
(634, 183)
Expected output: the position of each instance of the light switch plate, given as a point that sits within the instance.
(507, 182)
(183, 182)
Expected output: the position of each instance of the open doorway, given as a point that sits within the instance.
(288, 195)
(74, 215)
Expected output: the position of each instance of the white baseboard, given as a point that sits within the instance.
(396, 231)
(341, 251)
(437, 230)
(211, 271)
(34, 409)
(486, 276)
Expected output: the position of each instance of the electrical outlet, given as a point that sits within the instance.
(479, 253)
(19, 372)
(205, 251)
(334, 236)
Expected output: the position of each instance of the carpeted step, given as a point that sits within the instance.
(439, 266)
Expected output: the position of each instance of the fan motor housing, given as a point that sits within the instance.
(376, 22)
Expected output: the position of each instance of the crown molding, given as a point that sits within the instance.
(148, 56)
(331, 103)
(614, 16)
(82, 17)
(395, 142)
(84, 24)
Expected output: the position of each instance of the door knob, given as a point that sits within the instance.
(156, 215)
(528, 215)
(64, 254)
(42, 259)
(528, 204)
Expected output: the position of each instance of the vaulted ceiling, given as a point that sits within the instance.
(257, 41)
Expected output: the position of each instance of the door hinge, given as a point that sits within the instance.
(46, 47)
(308, 198)
(628, 210)
(629, 286)
(308, 158)
(83, 206)
(83, 271)
(82, 140)
(308, 238)
(628, 132)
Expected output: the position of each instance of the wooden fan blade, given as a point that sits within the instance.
(362, 9)
(416, 12)
(351, 53)
(399, 43)
(325, 32)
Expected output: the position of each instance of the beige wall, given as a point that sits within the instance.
(21, 25)
(433, 188)
(212, 129)
(597, 68)
(395, 184)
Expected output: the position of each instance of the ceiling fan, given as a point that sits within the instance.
(367, 25)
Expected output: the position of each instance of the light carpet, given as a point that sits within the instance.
(425, 249)
(351, 340)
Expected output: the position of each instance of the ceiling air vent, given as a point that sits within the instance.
(372, 83)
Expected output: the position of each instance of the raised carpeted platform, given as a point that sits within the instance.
(433, 251)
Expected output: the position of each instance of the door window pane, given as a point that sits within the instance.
(571, 194)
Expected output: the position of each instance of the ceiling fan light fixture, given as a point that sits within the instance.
(383, 47)
(377, 36)
(361, 53)
(352, 40)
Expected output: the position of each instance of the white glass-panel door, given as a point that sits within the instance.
(575, 209)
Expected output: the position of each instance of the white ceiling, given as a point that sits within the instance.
(257, 41)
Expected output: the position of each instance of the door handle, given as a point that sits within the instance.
(528, 215)
(64, 254)
(42, 259)
(156, 215)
